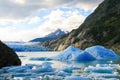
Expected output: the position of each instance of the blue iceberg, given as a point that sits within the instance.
(68, 54)
(89, 54)
(72, 53)
(100, 52)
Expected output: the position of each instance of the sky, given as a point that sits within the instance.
(24, 20)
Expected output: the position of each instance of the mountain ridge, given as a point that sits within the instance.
(102, 27)
(57, 33)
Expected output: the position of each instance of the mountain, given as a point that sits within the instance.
(50, 36)
(102, 27)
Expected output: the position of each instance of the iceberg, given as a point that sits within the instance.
(74, 77)
(72, 53)
(100, 52)
(89, 54)
(68, 54)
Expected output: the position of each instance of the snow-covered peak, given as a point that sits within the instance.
(56, 33)
(50, 36)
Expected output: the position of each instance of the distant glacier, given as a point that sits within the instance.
(26, 46)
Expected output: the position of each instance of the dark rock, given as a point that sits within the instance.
(8, 57)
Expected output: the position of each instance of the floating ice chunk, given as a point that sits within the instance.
(41, 59)
(48, 73)
(100, 69)
(45, 67)
(41, 70)
(47, 77)
(105, 75)
(22, 74)
(62, 73)
(77, 78)
(1, 78)
(1, 71)
(70, 69)
(72, 53)
(99, 52)
(19, 69)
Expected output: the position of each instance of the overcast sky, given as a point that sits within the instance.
(23, 20)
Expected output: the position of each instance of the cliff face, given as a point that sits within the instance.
(102, 27)
(8, 57)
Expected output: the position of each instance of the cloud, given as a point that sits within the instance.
(29, 19)
(10, 34)
(62, 20)
(33, 20)
(56, 19)
(19, 9)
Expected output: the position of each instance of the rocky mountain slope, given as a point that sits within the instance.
(102, 27)
(7, 56)
(50, 36)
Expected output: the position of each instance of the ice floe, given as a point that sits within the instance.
(45, 71)
(41, 58)
(74, 77)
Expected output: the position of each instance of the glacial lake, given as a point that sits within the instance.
(26, 56)
(84, 70)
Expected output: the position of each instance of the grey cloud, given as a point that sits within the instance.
(11, 9)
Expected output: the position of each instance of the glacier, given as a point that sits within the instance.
(26, 46)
